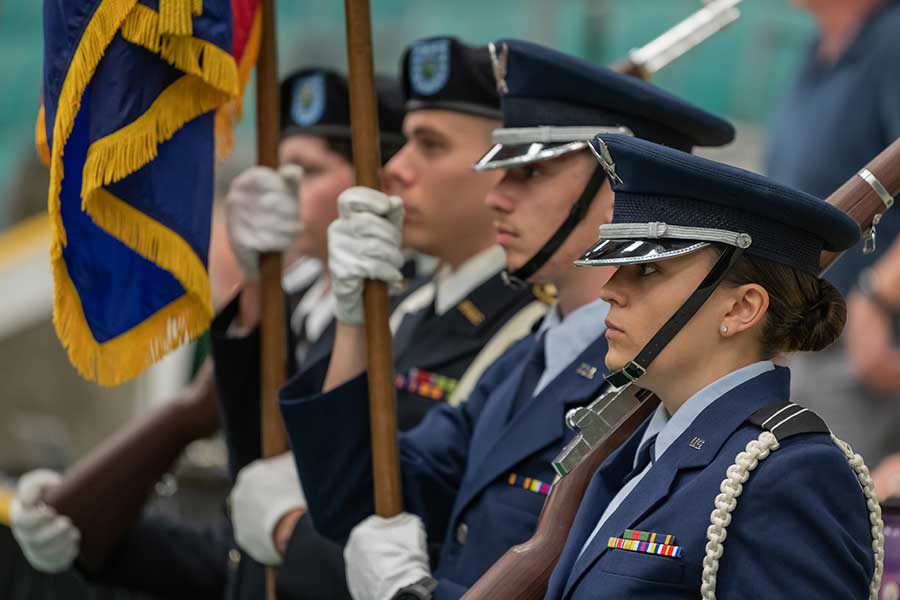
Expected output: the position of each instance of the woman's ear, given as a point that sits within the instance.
(748, 306)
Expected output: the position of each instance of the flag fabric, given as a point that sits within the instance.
(129, 94)
(246, 28)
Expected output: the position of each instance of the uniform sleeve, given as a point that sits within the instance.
(313, 567)
(330, 438)
(801, 523)
(170, 558)
(237, 385)
(448, 590)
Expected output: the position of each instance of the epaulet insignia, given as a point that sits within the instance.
(471, 312)
(545, 292)
(786, 419)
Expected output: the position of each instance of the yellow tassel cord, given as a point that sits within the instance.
(196, 57)
(175, 17)
(229, 114)
(197, 8)
(6, 498)
(40, 137)
(212, 82)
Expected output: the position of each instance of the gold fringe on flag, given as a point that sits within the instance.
(197, 57)
(175, 17)
(40, 137)
(210, 81)
(232, 112)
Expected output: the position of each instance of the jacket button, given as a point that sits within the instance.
(234, 558)
(462, 533)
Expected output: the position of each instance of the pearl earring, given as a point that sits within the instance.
(724, 329)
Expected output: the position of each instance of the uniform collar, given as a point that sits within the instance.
(567, 337)
(454, 285)
(667, 428)
(315, 310)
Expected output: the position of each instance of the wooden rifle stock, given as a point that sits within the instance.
(524, 571)
(105, 491)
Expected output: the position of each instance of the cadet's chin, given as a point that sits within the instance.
(613, 361)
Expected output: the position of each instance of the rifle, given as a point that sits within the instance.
(105, 491)
(643, 62)
(604, 424)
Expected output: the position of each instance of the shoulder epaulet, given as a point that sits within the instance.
(786, 419)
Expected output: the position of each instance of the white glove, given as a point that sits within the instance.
(363, 243)
(383, 556)
(48, 540)
(265, 491)
(263, 214)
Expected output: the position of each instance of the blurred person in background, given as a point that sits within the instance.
(844, 109)
(873, 346)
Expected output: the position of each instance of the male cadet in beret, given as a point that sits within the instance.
(475, 476)
(267, 211)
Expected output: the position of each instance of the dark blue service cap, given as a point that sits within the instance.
(317, 102)
(669, 203)
(554, 103)
(444, 73)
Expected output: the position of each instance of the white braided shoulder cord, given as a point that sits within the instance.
(737, 475)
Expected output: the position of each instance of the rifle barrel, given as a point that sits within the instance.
(689, 33)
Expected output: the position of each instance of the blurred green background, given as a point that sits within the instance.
(741, 73)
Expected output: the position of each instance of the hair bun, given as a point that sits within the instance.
(822, 320)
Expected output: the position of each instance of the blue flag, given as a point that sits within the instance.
(130, 90)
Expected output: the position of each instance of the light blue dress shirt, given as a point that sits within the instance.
(668, 429)
(566, 338)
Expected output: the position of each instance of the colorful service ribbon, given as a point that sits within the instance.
(528, 483)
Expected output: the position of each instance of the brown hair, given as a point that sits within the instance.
(806, 313)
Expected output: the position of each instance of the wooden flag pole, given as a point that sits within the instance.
(273, 341)
(367, 162)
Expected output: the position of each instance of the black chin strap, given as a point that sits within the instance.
(519, 278)
(636, 368)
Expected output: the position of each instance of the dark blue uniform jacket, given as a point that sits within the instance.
(800, 528)
(463, 468)
(174, 559)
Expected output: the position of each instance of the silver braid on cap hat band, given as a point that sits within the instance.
(738, 474)
(549, 134)
(655, 230)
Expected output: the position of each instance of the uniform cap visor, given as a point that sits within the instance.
(504, 156)
(614, 253)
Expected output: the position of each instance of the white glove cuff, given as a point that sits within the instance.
(269, 555)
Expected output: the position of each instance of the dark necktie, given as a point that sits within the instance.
(531, 374)
(409, 326)
(646, 454)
